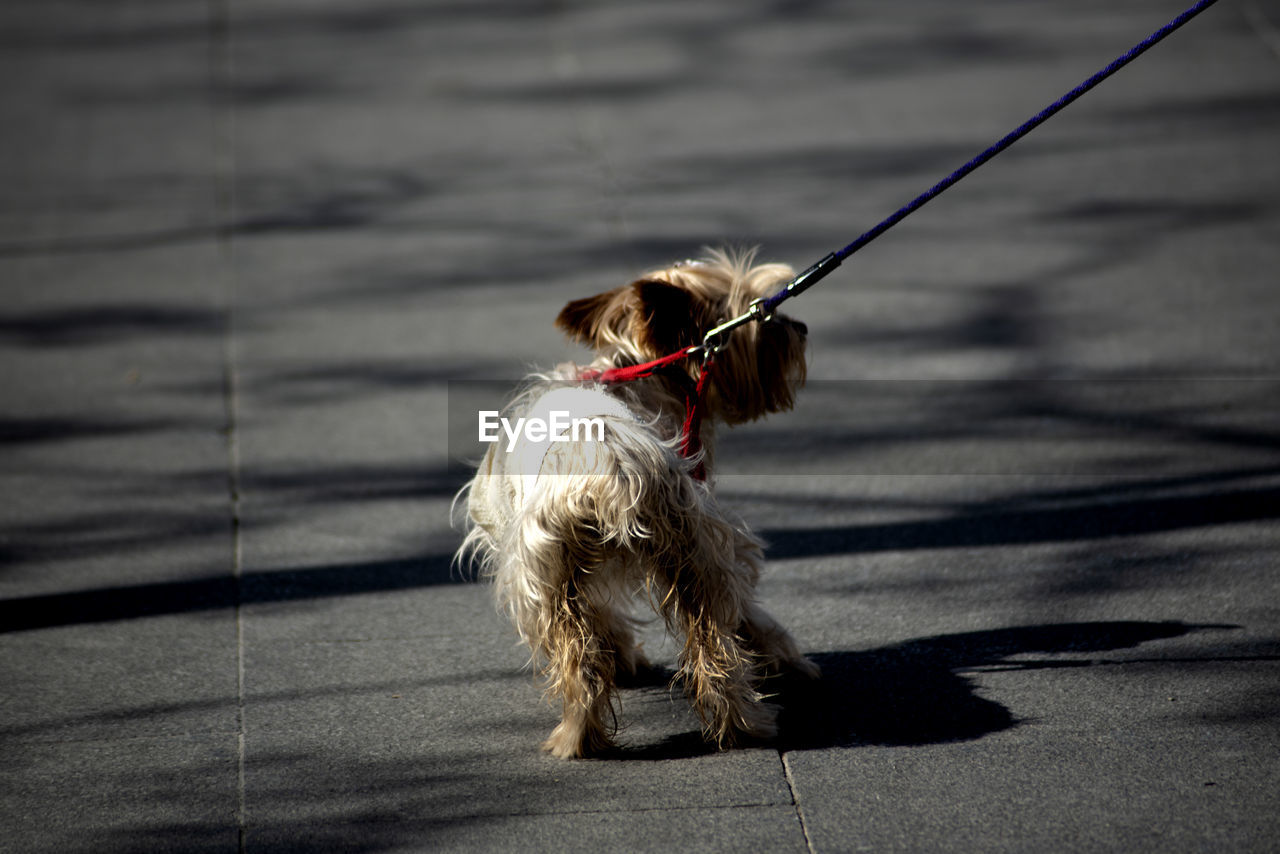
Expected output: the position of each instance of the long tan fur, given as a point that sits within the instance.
(572, 533)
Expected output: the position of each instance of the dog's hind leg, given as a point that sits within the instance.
(570, 630)
(580, 671)
(705, 593)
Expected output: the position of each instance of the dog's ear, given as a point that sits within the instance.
(668, 317)
(585, 319)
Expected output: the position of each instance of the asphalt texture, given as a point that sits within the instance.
(1024, 516)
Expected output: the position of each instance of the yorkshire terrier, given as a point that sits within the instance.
(572, 531)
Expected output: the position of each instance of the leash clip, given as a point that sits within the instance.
(715, 339)
(759, 312)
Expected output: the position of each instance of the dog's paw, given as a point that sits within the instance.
(573, 742)
(753, 725)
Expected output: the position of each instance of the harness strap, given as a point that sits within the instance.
(695, 404)
(637, 372)
(695, 396)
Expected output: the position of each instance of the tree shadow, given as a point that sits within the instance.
(1120, 518)
(220, 592)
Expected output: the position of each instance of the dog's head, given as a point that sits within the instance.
(762, 363)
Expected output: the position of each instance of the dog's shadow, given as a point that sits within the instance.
(916, 693)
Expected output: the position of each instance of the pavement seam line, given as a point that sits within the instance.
(224, 203)
(795, 800)
(115, 740)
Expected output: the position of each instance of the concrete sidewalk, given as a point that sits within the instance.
(1025, 515)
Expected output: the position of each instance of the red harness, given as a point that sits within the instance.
(694, 400)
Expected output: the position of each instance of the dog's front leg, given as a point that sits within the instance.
(776, 649)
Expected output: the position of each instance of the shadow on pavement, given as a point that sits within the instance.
(100, 605)
(916, 693)
(1100, 521)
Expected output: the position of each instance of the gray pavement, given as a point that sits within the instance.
(1025, 515)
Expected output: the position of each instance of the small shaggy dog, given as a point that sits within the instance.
(572, 531)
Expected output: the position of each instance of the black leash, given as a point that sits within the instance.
(763, 309)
